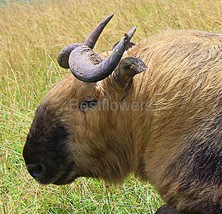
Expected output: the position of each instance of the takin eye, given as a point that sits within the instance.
(84, 105)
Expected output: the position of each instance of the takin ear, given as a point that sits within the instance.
(127, 68)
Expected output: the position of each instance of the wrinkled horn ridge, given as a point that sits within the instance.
(87, 71)
(63, 56)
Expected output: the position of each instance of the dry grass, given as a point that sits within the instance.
(30, 37)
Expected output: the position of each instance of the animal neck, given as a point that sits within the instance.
(131, 123)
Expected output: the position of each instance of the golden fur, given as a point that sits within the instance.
(180, 95)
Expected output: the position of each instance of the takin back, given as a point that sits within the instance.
(155, 111)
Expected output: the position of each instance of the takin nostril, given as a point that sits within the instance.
(36, 170)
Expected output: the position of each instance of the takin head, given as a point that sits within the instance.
(76, 128)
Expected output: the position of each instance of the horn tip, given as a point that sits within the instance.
(131, 32)
(109, 17)
(133, 29)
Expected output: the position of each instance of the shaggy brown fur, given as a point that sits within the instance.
(184, 88)
(166, 126)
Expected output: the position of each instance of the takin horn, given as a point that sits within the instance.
(63, 56)
(84, 67)
(94, 35)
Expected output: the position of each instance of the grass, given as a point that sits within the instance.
(30, 37)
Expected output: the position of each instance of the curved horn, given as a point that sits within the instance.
(86, 70)
(94, 35)
(64, 54)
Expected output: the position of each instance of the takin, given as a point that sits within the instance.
(154, 110)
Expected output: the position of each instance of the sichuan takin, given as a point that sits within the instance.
(153, 109)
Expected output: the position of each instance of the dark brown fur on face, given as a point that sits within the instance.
(46, 146)
(173, 138)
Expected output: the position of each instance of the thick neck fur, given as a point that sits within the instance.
(181, 89)
(172, 97)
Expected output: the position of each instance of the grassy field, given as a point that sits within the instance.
(30, 37)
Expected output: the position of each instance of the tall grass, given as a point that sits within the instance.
(30, 37)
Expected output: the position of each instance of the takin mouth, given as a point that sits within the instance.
(62, 177)
(68, 176)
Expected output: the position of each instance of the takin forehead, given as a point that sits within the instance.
(67, 89)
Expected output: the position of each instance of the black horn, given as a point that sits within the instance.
(64, 54)
(88, 67)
